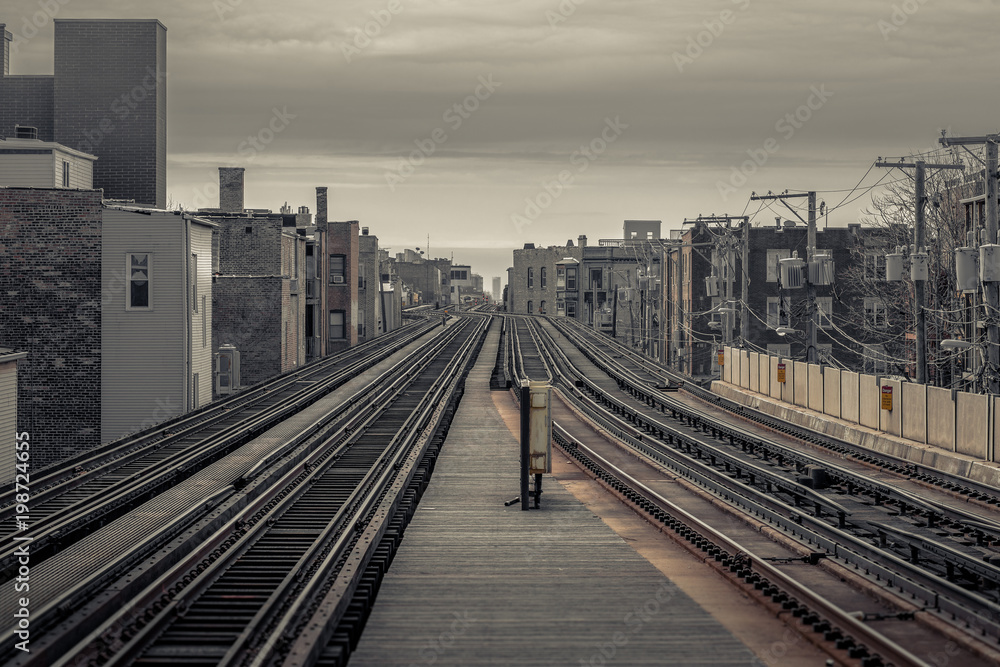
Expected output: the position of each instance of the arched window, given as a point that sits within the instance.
(542, 280)
(531, 305)
(541, 307)
(531, 277)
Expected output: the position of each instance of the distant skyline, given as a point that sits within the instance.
(489, 125)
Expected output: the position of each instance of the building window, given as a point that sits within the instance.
(361, 323)
(570, 277)
(531, 305)
(780, 349)
(338, 268)
(874, 266)
(560, 277)
(337, 330)
(596, 279)
(875, 360)
(543, 278)
(560, 307)
(541, 306)
(773, 255)
(824, 311)
(193, 277)
(875, 315)
(65, 174)
(139, 267)
(571, 309)
(531, 278)
(776, 315)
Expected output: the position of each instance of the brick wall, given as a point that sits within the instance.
(247, 313)
(26, 100)
(531, 261)
(50, 307)
(343, 240)
(110, 100)
(253, 253)
(231, 189)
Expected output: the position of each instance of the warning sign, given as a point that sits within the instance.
(886, 397)
(781, 372)
(722, 357)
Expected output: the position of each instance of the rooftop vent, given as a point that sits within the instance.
(25, 132)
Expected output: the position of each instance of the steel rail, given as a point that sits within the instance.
(917, 581)
(852, 479)
(870, 637)
(307, 467)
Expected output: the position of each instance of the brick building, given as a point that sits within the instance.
(114, 318)
(106, 97)
(341, 306)
(259, 283)
(694, 328)
(531, 283)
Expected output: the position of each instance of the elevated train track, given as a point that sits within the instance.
(923, 546)
(339, 472)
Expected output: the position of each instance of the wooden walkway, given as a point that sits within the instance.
(477, 583)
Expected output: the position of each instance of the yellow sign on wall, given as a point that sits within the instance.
(887, 397)
(781, 372)
(722, 357)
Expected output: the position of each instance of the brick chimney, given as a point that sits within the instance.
(231, 189)
(582, 241)
(7, 39)
(321, 207)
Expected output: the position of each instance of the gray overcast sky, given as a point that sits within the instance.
(667, 98)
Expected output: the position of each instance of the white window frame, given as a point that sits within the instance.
(774, 318)
(128, 282)
(824, 312)
(874, 360)
(876, 313)
(875, 266)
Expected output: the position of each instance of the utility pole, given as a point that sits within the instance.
(745, 283)
(920, 200)
(812, 355)
(991, 291)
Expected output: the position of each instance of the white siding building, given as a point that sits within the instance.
(30, 163)
(156, 343)
(8, 413)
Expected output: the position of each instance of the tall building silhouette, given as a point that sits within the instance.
(107, 97)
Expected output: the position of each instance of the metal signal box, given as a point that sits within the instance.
(540, 428)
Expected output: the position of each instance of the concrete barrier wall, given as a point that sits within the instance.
(940, 418)
(868, 400)
(764, 372)
(996, 429)
(967, 423)
(816, 389)
(972, 424)
(801, 384)
(891, 421)
(849, 398)
(775, 388)
(915, 411)
(831, 391)
(788, 389)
